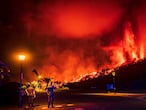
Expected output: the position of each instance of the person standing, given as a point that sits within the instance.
(50, 93)
(31, 94)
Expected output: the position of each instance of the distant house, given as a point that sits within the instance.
(4, 73)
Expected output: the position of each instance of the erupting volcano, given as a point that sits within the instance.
(70, 39)
(72, 64)
(79, 40)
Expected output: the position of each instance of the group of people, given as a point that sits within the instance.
(31, 94)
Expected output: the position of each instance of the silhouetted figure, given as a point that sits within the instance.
(50, 93)
(30, 92)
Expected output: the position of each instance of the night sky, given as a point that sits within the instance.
(65, 39)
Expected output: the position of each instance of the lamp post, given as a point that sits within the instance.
(21, 59)
(114, 74)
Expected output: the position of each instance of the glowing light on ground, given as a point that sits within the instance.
(113, 94)
(69, 105)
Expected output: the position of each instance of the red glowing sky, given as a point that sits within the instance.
(75, 18)
(69, 38)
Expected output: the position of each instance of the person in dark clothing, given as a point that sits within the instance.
(50, 93)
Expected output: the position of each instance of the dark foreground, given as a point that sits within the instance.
(71, 100)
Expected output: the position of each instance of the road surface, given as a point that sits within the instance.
(88, 101)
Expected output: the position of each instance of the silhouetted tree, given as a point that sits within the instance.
(47, 80)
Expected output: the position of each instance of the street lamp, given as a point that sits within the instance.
(39, 77)
(114, 74)
(21, 59)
